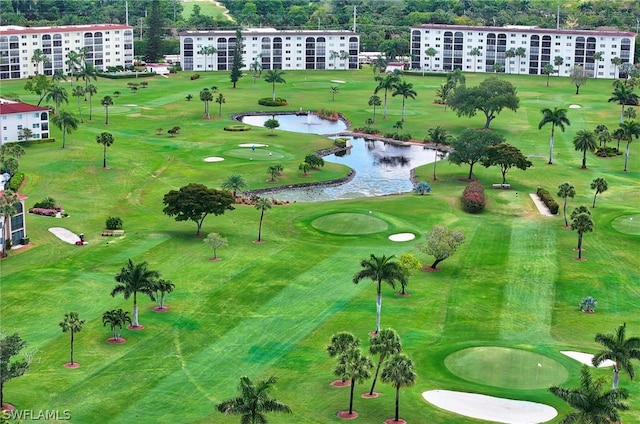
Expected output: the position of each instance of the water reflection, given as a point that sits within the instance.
(307, 123)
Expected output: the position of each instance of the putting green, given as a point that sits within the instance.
(506, 367)
(349, 224)
(627, 224)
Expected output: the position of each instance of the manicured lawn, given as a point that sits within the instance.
(271, 308)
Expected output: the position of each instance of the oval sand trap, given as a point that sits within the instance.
(338, 81)
(402, 237)
(585, 358)
(490, 408)
(574, 106)
(213, 159)
(252, 145)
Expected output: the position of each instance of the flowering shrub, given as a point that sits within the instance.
(473, 200)
(45, 212)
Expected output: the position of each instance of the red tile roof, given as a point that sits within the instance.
(65, 28)
(9, 108)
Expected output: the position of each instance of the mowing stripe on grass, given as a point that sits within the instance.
(529, 283)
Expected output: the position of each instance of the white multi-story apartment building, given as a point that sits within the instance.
(16, 226)
(274, 49)
(15, 117)
(105, 45)
(519, 49)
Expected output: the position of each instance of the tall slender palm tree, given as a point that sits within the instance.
(334, 90)
(520, 53)
(134, 279)
(379, 270)
(206, 51)
(431, 52)
(354, 366)
(220, 99)
(106, 102)
(584, 141)
(558, 61)
(67, 122)
(234, 183)
(161, 288)
(582, 223)
(116, 319)
(386, 83)
(78, 92)
(341, 342)
(509, 54)
(88, 72)
(404, 89)
(592, 404)
(630, 129)
(566, 190)
(623, 95)
(106, 139)
(475, 52)
(548, 70)
(91, 90)
(597, 57)
(253, 402)
(72, 324)
(37, 58)
(557, 118)
(384, 344)
(274, 76)
(399, 372)
(206, 96)
(256, 68)
(600, 186)
(616, 62)
(262, 205)
(619, 349)
(440, 137)
(8, 199)
(58, 95)
(374, 101)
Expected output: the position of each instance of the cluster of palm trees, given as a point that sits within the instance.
(398, 87)
(593, 404)
(353, 366)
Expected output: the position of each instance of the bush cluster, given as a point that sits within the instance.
(268, 101)
(367, 130)
(47, 203)
(329, 115)
(473, 200)
(609, 151)
(43, 211)
(15, 181)
(195, 77)
(237, 128)
(396, 136)
(114, 223)
(548, 200)
(340, 142)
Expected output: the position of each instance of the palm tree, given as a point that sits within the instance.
(623, 95)
(629, 129)
(8, 199)
(305, 168)
(67, 122)
(106, 102)
(116, 319)
(106, 139)
(582, 223)
(399, 372)
(161, 288)
(386, 343)
(557, 118)
(592, 404)
(256, 67)
(134, 279)
(72, 324)
(379, 270)
(374, 101)
(509, 54)
(234, 183)
(618, 134)
(342, 342)
(220, 99)
(584, 141)
(87, 72)
(253, 401)
(603, 135)
(91, 90)
(334, 90)
(597, 57)
(557, 61)
(38, 58)
(206, 96)
(78, 92)
(431, 52)
(600, 186)
(619, 349)
(274, 76)
(262, 205)
(616, 61)
(58, 95)
(440, 137)
(354, 366)
(566, 190)
(548, 70)
(58, 75)
(273, 172)
(206, 51)
(520, 52)
(404, 89)
(475, 52)
(333, 56)
(385, 83)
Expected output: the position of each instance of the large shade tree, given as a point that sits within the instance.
(399, 372)
(619, 349)
(490, 97)
(380, 270)
(471, 147)
(253, 401)
(557, 118)
(133, 279)
(10, 368)
(194, 202)
(505, 156)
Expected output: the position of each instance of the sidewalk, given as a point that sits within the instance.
(542, 208)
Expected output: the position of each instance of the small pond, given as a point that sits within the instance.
(307, 123)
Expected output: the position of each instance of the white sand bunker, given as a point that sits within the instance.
(252, 145)
(491, 408)
(213, 159)
(574, 106)
(64, 235)
(131, 105)
(402, 237)
(585, 358)
(339, 81)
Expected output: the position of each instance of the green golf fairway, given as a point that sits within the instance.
(349, 224)
(627, 224)
(506, 367)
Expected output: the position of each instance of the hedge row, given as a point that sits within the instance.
(237, 128)
(473, 200)
(548, 200)
(27, 143)
(125, 76)
(268, 101)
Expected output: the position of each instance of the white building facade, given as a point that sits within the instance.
(272, 48)
(15, 117)
(16, 230)
(105, 45)
(480, 48)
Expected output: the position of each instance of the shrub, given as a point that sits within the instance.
(114, 223)
(389, 135)
(340, 142)
(195, 77)
(47, 203)
(267, 101)
(367, 130)
(473, 200)
(43, 211)
(329, 115)
(422, 188)
(15, 181)
(237, 128)
(588, 304)
(548, 200)
(402, 137)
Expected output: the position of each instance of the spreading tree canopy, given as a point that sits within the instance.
(490, 97)
(505, 156)
(471, 147)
